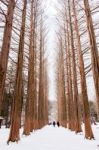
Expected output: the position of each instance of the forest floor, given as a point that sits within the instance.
(51, 138)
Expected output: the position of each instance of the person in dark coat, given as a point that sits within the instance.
(54, 123)
(58, 124)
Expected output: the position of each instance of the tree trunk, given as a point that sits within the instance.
(5, 48)
(16, 110)
(94, 51)
(41, 83)
(72, 121)
(62, 84)
(75, 87)
(30, 99)
(88, 129)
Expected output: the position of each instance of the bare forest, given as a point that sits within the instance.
(24, 65)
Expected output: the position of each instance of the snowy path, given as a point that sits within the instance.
(51, 138)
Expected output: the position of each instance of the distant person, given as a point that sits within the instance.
(54, 123)
(58, 124)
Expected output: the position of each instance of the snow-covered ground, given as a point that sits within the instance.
(51, 138)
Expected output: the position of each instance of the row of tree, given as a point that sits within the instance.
(77, 56)
(23, 66)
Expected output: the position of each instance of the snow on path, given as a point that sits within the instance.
(51, 138)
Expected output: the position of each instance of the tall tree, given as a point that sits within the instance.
(71, 103)
(41, 115)
(88, 129)
(66, 32)
(45, 93)
(61, 86)
(94, 50)
(74, 74)
(5, 48)
(28, 126)
(16, 110)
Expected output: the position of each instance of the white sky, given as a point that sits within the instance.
(51, 13)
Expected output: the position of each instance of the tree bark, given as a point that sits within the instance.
(75, 87)
(28, 126)
(88, 129)
(94, 51)
(5, 48)
(41, 78)
(16, 110)
(71, 115)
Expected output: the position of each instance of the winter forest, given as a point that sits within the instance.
(49, 72)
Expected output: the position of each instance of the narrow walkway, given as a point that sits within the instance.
(51, 138)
